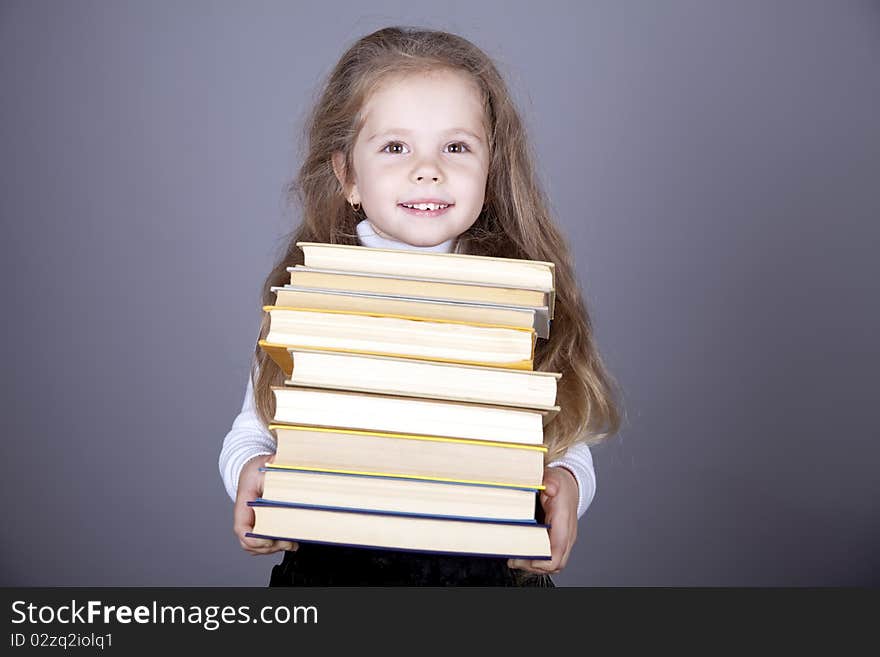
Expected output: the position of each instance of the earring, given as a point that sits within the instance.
(355, 206)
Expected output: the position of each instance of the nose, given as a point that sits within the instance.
(427, 170)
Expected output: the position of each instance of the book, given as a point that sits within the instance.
(448, 341)
(434, 417)
(398, 494)
(465, 268)
(411, 417)
(409, 532)
(424, 379)
(395, 304)
(408, 456)
(426, 288)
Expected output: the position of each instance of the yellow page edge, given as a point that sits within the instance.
(410, 436)
(550, 265)
(526, 364)
(406, 476)
(410, 317)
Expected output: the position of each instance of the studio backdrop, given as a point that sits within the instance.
(714, 166)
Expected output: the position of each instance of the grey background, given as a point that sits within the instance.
(715, 166)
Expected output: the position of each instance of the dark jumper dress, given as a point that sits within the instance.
(315, 564)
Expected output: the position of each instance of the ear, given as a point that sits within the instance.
(339, 168)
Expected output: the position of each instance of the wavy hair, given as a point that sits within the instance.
(515, 222)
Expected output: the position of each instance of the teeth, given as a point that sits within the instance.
(426, 206)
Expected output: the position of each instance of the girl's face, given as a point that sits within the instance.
(422, 140)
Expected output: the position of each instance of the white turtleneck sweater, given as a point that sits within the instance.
(249, 438)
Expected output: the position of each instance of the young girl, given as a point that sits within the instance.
(409, 117)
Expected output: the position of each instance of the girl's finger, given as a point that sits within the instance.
(534, 567)
(558, 538)
(571, 542)
(253, 544)
(250, 550)
(547, 567)
(524, 564)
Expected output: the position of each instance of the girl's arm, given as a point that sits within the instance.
(579, 461)
(246, 439)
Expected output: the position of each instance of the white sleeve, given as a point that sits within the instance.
(246, 439)
(579, 461)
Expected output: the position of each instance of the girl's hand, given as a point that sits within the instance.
(559, 499)
(250, 487)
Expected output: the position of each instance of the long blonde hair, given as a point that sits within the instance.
(515, 222)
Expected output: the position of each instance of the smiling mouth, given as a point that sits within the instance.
(426, 206)
(427, 212)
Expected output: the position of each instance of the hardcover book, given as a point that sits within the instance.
(415, 532)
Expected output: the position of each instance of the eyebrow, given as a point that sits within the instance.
(402, 131)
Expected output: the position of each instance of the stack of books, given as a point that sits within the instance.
(411, 417)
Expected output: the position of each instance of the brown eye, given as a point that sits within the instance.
(391, 145)
(461, 145)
